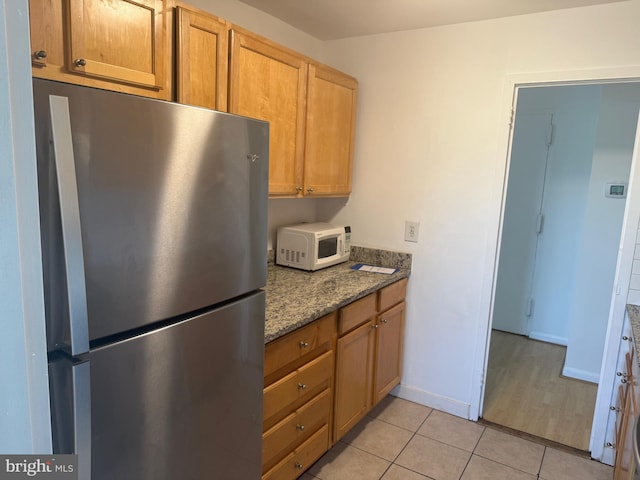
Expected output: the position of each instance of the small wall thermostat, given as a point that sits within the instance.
(615, 190)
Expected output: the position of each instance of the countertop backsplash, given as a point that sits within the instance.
(371, 256)
(381, 258)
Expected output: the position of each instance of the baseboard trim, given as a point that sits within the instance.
(591, 377)
(428, 399)
(544, 337)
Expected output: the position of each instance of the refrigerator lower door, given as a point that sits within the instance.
(182, 402)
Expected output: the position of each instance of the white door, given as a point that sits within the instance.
(522, 221)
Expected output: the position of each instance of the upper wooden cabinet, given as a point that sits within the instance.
(114, 44)
(202, 52)
(311, 111)
(270, 83)
(331, 114)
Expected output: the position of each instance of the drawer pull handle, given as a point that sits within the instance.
(303, 344)
(300, 427)
(299, 466)
(302, 386)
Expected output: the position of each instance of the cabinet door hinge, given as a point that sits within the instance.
(529, 311)
(539, 223)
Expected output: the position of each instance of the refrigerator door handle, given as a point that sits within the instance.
(82, 418)
(70, 217)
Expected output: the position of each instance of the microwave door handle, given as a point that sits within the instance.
(82, 418)
(70, 218)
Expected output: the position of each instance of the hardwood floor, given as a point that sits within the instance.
(525, 391)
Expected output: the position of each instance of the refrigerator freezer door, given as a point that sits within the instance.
(172, 204)
(183, 402)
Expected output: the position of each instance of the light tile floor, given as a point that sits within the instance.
(401, 440)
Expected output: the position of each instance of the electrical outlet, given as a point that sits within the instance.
(411, 231)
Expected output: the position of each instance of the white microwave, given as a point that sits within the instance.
(312, 246)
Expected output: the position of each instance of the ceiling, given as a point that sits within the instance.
(333, 19)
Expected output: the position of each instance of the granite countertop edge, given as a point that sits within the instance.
(295, 298)
(633, 311)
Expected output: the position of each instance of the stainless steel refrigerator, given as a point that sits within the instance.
(153, 221)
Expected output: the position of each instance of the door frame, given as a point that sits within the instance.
(512, 84)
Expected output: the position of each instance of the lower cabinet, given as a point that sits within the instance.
(368, 354)
(298, 397)
(321, 379)
(626, 407)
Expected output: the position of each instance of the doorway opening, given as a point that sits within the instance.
(568, 174)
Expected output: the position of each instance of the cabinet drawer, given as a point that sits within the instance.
(356, 313)
(301, 458)
(301, 383)
(392, 294)
(294, 429)
(315, 337)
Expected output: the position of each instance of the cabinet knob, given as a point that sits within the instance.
(298, 189)
(79, 62)
(309, 190)
(610, 445)
(299, 466)
(302, 386)
(40, 54)
(625, 337)
(303, 344)
(384, 320)
(374, 325)
(620, 374)
(613, 408)
(300, 427)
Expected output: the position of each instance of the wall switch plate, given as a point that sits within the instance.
(411, 231)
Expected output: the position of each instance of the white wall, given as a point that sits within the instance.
(24, 402)
(598, 250)
(431, 129)
(634, 287)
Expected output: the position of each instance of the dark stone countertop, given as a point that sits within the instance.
(633, 312)
(296, 298)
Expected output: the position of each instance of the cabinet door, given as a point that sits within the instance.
(354, 372)
(47, 44)
(202, 51)
(269, 83)
(331, 109)
(389, 342)
(117, 39)
(624, 449)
